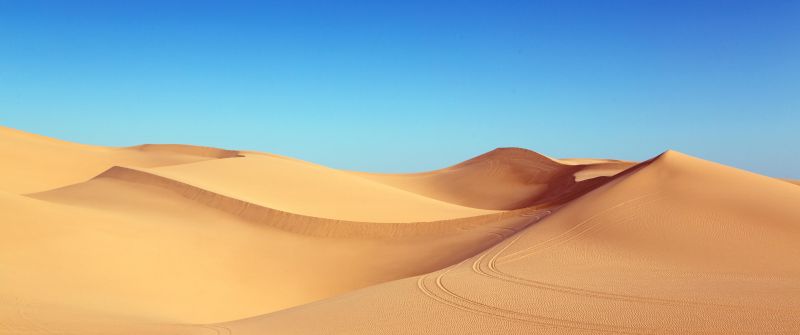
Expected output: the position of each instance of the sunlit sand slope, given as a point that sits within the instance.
(309, 189)
(676, 245)
(32, 163)
(214, 256)
(180, 239)
(158, 248)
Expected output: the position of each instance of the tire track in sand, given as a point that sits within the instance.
(448, 297)
(489, 268)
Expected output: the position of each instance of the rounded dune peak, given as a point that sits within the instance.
(283, 238)
(512, 157)
(501, 179)
(510, 153)
(673, 245)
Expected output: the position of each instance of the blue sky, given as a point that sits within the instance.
(412, 85)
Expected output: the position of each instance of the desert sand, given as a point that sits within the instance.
(181, 239)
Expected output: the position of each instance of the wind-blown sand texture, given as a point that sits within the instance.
(177, 239)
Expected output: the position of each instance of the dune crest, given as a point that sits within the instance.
(291, 222)
(502, 179)
(184, 149)
(668, 266)
(35, 163)
(313, 190)
(181, 239)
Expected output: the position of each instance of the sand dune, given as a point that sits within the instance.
(601, 169)
(179, 239)
(637, 255)
(502, 179)
(33, 163)
(247, 257)
(792, 181)
(308, 189)
(163, 256)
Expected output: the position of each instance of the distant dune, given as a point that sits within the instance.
(502, 179)
(33, 163)
(180, 239)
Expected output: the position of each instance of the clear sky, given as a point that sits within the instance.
(412, 85)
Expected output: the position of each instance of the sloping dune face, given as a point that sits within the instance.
(502, 179)
(173, 236)
(677, 245)
(313, 190)
(33, 163)
(594, 168)
(179, 239)
(136, 249)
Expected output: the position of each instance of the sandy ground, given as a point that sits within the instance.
(177, 239)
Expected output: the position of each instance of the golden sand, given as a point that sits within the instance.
(178, 239)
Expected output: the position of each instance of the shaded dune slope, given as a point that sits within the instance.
(157, 255)
(635, 256)
(179, 239)
(502, 179)
(309, 189)
(603, 169)
(85, 194)
(792, 181)
(288, 258)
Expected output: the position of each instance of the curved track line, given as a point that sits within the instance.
(476, 307)
(575, 227)
(220, 330)
(472, 306)
(569, 235)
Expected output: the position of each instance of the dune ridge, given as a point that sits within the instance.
(237, 268)
(319, 226)
(185, 149)
(502, 179)
(35, 163)
(180, 239)
(411, 244)
(661, 274)
(792, 181)
(309, 189)
(160, 201)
